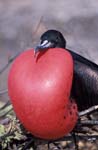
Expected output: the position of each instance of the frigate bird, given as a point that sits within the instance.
(85, 76)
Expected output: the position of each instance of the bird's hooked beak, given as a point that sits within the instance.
(44, 45)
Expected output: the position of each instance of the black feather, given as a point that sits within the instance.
(85, 78)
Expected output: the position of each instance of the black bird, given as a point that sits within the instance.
(85, 78)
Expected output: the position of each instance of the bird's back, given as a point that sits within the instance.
(85, 82)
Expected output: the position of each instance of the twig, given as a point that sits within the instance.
(57, 145)
(6, 104)
(75, 140)
(6, 135)
(38, 25)
(28, 144)
(6, 110)
(4, 67)
(10, 60)
(89, 122)
(88, 111)
(70, 138)
(3, 91)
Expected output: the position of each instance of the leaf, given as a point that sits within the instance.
(2, 130)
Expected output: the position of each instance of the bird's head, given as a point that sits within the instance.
(51, 39)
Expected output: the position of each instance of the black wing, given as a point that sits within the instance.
(83, 60)
(85, 82)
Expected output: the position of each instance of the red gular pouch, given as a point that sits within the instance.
(39, 89)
